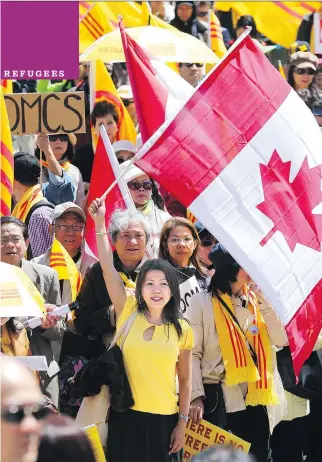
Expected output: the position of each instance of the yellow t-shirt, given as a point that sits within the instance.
(151, 365)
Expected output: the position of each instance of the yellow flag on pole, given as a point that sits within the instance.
(6, 165)
(278, 21)
(215, 37)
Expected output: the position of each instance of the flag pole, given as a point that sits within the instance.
(41, 170)
(117, 172)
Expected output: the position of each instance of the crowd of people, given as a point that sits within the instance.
(194, 337)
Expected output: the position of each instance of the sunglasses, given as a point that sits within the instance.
(136, 185)
(193, 64)
(307, 71)
(207, 243)
(127, 102)
(16, 414)
(58, 137)
(203, 13)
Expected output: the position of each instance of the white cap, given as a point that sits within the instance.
(125, 92)
(132, 173)
(139, 142)
(123, 145)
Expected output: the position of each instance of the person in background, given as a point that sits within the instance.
(156, 351)
(22, 412)
(68, 224)
(61, 440)
(124, 150)
(186, 21)
(147, 201)
(207, 241)
(13, 244)
(163, 10)
(301, 77)
(31, 206)
(105, 114)
(179, 245)
(62, 147)
(318, 75)
(126, 95)
(245, 397)
(191, 72)
(246, 21)
(202, 12)
(317, 112)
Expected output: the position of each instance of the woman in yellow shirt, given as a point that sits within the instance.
(157, 347)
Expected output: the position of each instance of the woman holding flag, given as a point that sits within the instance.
(235, 382)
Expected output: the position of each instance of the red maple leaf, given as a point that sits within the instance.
(290, 205)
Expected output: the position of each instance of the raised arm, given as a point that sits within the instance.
(113, 282)
(53, 164)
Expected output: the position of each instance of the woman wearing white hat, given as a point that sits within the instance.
(62, 146)
(148, 201)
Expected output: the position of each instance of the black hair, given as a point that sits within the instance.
(171, 312)
(10, 220)
(247, 20)
(222, 454)
(156, 196)
(102, 109)
(69, 154)
(62, 440)
(222, 279)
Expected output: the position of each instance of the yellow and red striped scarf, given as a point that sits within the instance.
(31, 197)
(61, 261)
(237, 358)
(64, 165)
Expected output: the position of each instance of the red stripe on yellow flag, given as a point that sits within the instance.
(216, 41)
(6, 165)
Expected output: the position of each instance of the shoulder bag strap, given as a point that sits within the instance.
(125, 329)
(224, 304)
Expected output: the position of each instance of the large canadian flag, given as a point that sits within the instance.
(244, 155)
(158, 91)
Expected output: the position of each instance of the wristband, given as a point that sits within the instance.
(184, 417)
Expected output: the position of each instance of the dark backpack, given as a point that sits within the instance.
(42, 203)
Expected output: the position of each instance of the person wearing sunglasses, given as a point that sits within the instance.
(124, 150)
(148, 201)
(22, 412)
(301, 77)
(61, 146)
(207, 241)
(191, 72)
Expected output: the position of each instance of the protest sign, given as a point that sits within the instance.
(200, 436)
(187, 290)
(94, 438)
(49, 113)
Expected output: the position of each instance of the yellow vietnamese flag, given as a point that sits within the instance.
(99, 18)
(102, 88)
(7, 86)
(278, 21)
(6, 161)
(215, 37)
(61, 261)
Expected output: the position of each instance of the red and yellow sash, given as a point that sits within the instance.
(237, 358)
(61, 261)
(31, 197)
(191, 217)
(64, 165)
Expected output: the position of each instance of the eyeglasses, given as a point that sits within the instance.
(58, 137)
(136, 185)
(202, 13)
(177, 240)
(75, 228)
(127, 102)
(307, 71)
(15, 414)
(193, 64)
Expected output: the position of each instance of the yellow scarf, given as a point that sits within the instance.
(128, 282)
(237, 358)
(14, 343)
(147, 208)
(64, 164)
(31, 197)
(61, 261)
